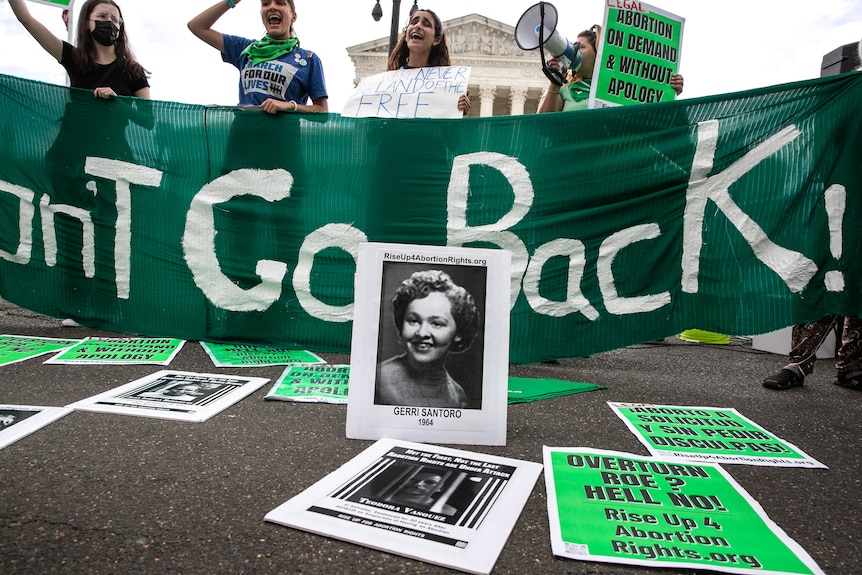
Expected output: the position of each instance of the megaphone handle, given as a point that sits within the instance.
(555, 76)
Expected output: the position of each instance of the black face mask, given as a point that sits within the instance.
(105, 32)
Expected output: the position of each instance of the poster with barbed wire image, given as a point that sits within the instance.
(430, 348)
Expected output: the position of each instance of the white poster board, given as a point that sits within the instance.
(444, 506)
(178, 395)
(17, 421)
(431, 92)
(413, 378)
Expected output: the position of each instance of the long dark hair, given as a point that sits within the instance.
(85, 46)
(439, 55)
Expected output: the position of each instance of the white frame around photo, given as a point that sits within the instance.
(38, 418)
(477, 501)
(147, 396)
(479, 372)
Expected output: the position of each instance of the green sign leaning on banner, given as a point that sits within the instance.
(724, 213)
(639, 53)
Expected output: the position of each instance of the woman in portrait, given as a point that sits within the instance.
(434, 317)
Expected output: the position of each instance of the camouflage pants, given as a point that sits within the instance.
(807, 337)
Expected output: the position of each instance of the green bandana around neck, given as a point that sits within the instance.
(580, 90)
(268, 48)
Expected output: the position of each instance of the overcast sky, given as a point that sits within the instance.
(728, 45)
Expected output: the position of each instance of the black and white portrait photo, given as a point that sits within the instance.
(435, 492)
(431, 346)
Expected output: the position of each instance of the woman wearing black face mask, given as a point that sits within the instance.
(100, 65)
(101, 61)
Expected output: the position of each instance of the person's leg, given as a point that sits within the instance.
(849, 364)
(806, 339)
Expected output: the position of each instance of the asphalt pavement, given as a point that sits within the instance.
(101, 493)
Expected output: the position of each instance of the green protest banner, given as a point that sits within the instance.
(621, 508)
(245, 355)
(725, 213)
(14, 348)
(118, 351)
(638, 54)
(708, 434)
(320, 383)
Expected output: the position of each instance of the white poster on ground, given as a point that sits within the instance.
(17, 421)
(444, 506)
(178, 395)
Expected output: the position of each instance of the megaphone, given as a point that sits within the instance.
(537, 28)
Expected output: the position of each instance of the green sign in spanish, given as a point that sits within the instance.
(731, 213)
(245, 355)
(708, 434)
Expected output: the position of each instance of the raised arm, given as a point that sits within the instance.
(202, 24)
(45, 37)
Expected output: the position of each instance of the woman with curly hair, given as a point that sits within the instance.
(434, 317)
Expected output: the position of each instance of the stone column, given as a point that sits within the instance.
(517, 99)
(487, 94)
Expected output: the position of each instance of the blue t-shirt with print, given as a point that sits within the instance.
(297, 76)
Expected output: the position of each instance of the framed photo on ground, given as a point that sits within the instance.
(430, 349)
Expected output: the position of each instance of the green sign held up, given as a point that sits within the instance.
(58, 3)
(638, 54)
